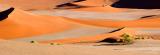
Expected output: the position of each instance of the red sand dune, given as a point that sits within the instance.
(97, 38)
(21, 24)
(142, 23)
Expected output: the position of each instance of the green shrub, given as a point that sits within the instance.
(127, 39)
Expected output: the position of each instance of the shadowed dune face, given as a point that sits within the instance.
(67, 6)
(4, 14)
(140, 4)
(110, 40)
(79, 0)
(92, 3)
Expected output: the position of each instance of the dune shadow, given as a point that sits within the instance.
(5, 14)
(144, 17)
(112, 40)
(110, 44)
(70, 6)
(116, 30)
(138, 4)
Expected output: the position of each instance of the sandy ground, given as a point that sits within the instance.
(140, 47)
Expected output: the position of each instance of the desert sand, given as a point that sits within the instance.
(21, 23)
(147, 47)
(142, 23)
(36, 28)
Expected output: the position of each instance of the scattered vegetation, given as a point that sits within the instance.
(55, 44)
(32, 41)
(142, 37)
(127, 39)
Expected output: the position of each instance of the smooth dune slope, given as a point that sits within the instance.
(94, 2)
(142, 23)
(21, 24)
(97, 38)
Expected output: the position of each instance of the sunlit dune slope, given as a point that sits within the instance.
(21, 24)
(142, 23)
(97, 38)
(94, 2)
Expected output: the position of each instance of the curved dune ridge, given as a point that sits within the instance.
(97, 38)
(142, 23)
(21, 24)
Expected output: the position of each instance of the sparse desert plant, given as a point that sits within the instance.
(143, 38)
(137, 37)
(32, 41)
(127, 39)
(51, 43)
(55, 44)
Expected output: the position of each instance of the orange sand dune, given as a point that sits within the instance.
(100, 9)
(93, 2)
(97, 38)
(143, 23)
(34, 4)
(98, 6)
(21, 24)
